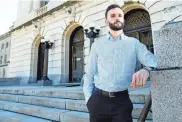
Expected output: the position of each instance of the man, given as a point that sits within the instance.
(110, 70)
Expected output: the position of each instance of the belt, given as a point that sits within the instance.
(112, 94)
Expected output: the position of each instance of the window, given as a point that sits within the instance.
(1, 59)
(45, 2)
(6, 44)
(5, 59)
(2, 46)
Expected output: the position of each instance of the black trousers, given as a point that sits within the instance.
(109, 109)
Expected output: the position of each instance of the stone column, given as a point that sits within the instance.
(166, 83)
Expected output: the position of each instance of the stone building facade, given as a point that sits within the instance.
(4, 54)
(64, 22)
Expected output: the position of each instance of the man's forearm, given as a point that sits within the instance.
(88, 91)
(88, 87)
(90, 72)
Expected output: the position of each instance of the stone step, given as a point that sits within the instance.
(66, 104)
(137, 96)
(13, 81)
(50, 113)
(50, 102)
(34, 100)
(79, 105)
(32, 110)
(6, 116)
(70, 116)
(39, 83)
(74, 116)
(70, 84)
(58, 92)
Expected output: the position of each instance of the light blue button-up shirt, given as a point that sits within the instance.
(112, 63)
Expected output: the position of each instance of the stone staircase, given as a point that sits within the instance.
(54, 104)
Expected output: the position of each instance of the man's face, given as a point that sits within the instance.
(115, 19)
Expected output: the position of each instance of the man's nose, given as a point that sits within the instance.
(117, 20)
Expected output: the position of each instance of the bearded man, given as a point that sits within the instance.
(111, 71)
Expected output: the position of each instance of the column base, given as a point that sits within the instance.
(45, 81)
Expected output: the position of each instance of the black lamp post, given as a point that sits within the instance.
(47, 45)
(92, 32)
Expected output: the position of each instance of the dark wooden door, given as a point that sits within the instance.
(76, 55)
(40, 61)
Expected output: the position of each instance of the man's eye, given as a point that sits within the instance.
(112, 15)
(120, 15)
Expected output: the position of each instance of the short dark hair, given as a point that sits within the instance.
(111, 7)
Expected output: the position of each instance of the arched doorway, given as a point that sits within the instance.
(138, 25)
(76, 62)
(34, 67)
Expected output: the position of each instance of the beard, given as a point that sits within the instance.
(116, 26)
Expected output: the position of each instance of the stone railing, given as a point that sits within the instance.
(41, 10)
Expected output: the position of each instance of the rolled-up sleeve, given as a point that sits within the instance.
(145, 56)
(89, 73)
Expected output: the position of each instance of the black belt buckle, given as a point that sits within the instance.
(111, 94)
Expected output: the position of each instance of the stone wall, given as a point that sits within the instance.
(166, 83)
(166, 95)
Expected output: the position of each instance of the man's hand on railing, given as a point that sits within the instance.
(139, 78)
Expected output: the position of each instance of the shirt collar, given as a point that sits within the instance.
(110, 38)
